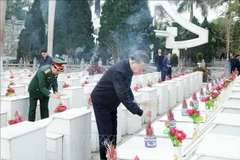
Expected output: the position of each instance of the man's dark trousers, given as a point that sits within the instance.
(107, 127)
(44, 112)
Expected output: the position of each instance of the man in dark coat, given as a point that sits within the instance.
(233, 62)
(159, 60)
(113, 89)
(167, 67)
(42, 82)
(46, 60)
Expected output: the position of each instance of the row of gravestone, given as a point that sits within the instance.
(157, 90)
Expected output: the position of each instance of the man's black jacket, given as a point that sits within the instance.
(114, 88)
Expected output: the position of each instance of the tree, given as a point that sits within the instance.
(125, 26)
(23, 48)
(34, 32)
(15, 9)
(81, 29)
(187, 5)
(73, 29)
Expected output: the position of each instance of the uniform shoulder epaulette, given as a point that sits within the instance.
(48, 71)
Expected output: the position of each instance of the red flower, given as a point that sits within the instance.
(29, 75)
(159, 80)
(180, 135)
(197, 112)
(11, 77)
(135, 88)
(11, 90)
(190, 111)
(173, 130)
(68, 76)
(205, 99)
(214, 94)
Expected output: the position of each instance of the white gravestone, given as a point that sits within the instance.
(54, 146)
(76, 96)
(143, 80)
(25, 141)
(162, 92)
(180, 87)
(172, 86)
(19, 103)
(186, 85)
(3, 119)
(135, 146)
(75, 126)
(148, 94)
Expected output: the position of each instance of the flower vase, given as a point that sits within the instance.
(177, 153)
(11, 94)
(184, 112)
(215, 106)
(201, 97)
(195, 103)
(172, 123)
(150, 142)
(196, 131)
(207, 114)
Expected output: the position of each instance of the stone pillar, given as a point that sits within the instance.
(100, 62)
(51, 16)
(21, 63)
(2, 25)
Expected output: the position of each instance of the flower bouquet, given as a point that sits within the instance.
(219, 89)
(201, 94)
(10, 92)
(65, 85)
(111, 151)
(68, 76)
(136, 158)
(224, 86)
(176, 136)
(11, 77)
(17, 119)
(208, 105)
(194, 99)
(11, 83)
(214, 96)
(171, 119)
(29, 75)
(60, 108)
(197, 119)
(175, 76)
(184, 108)
(150, 139)
(85, 82)
(135, 88)
(168, 79)
(149, 84)
(159, 80)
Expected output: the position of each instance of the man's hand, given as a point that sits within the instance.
(55, 95)
(147, 113)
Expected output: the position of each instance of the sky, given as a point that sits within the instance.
(213, 13)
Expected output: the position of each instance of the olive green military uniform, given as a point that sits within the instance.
(39, 88)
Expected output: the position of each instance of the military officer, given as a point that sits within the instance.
(42, 82)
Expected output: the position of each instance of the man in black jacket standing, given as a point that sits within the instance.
(113, 89)
(159, 61)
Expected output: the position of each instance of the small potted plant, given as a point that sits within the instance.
(10, 92)
(208, 105)
(171, 119)
(11, 83)
(60, 108)
(159, 80)
(149, 84)
(207, 92)
(150, 139)
(11, 77)
(201, 94)
(194, 99)
(135, 88)
(85, 82)
(197, 119)
(184, 108)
